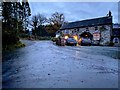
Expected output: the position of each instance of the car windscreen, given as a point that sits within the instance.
(71, 39)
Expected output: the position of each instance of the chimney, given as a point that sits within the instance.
(110, 14)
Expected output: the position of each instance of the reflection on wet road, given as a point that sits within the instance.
(42, 64)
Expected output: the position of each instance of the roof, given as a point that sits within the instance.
(116, 26)
(88, 22)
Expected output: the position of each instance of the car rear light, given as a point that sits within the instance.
(80, 39)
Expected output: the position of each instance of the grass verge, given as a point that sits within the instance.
(13, 46)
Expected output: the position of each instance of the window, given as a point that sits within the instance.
(75, 30)
(79, 29)
(116, 40)
(87, 29)
(96, 28)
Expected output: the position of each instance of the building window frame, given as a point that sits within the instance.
(87, 29)
(96, 28)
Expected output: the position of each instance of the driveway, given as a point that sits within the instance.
(42, 64)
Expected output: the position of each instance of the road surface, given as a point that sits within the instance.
(41, 64)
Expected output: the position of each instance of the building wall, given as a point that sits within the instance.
(91, 30)
(105, 34)
(116, 34)
(80, 30)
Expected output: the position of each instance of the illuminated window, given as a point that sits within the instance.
(66, 37)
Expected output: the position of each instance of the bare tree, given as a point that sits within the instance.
(57, 18)
(34, 22)
(37, 20)
(41, 18)
(55, 21)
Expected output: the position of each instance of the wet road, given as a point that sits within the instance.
(41, 64)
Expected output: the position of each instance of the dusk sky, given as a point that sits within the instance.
(76, 11)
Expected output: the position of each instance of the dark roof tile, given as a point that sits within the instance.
(88, 22)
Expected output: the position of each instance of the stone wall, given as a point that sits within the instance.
(105, 34)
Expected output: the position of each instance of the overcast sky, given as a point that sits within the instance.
(76, 11)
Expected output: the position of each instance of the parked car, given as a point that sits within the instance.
(86, 41)
(71, 41)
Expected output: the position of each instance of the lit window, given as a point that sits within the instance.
(66, 37)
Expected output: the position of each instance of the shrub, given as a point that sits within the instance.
(44, 38)
(54, 39)
(13, 46)
(111, 44)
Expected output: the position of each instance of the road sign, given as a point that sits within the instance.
(96, 36)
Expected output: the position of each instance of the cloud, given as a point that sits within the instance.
(75, 11)
(73, 0)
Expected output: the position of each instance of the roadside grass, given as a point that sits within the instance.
(37, 38)
(44, 38)
(11, 47)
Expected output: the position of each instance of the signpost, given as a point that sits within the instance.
(96, 36)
